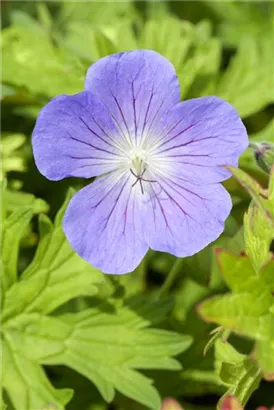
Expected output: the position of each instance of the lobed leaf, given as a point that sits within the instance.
(11, 153)
(104, 347)
(258, 235)
(25, 52)
(26, 382)
(56, 274)
(247, 83)
(106, 344)
(17, 199)
(13, 229)
(238, 312)
(240, 373)
(264, 353)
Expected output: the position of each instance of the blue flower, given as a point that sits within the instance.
(160, 161)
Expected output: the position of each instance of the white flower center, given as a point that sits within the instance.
(138, 160)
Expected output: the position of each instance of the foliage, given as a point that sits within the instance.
(75, 339)
(97, 341)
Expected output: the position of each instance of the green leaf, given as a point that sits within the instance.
(264, 353)
(96, 12)
(106, 344)
(3, 405)
(248, 82)
(56, 274)
(239, 19)
(44, 16)
(238, 372)
(18, 199)
(191, 49)
(11, 153)
(13, 229)
(271, 188)
(258, 194)
(88, 42)
(26, 382)
(99, 344)
(238, 312)
(165, 41)
(258, 236)
(25, 52)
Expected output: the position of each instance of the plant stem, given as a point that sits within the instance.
(176, 268)
(253, 145)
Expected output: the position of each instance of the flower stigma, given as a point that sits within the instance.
(138, 167)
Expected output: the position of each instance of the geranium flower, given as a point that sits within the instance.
(160, 161)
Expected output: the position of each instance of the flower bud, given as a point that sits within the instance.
(230, 403)
(264, 154)
(170, 404)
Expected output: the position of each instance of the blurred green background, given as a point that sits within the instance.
(218, 48)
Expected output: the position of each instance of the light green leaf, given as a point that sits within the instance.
(25, 53)
(237, 19)
(239, 273)
(11, 153)
(19, 199)
(258, 194)
(7, 91)
(56, 274)
(2, 404)
(240, 373)
(105, 346)
(95, 12)
(44, 16)
(26, 382)
(13, 229)
(11, 143)
(24, 20)
(237, 311)
(248, 82)
(88, 42)
(191, 49)
(173, 40)
(264, 353)
(258, 234)
(271, 188)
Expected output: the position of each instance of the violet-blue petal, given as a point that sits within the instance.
(198, 138)
(183, 218)
(75, 136)
(102, 224)
(137, 87)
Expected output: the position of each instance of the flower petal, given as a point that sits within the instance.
(75, 136)
(185, 217)
(198, 137)
(137, 87)
(102, 224)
